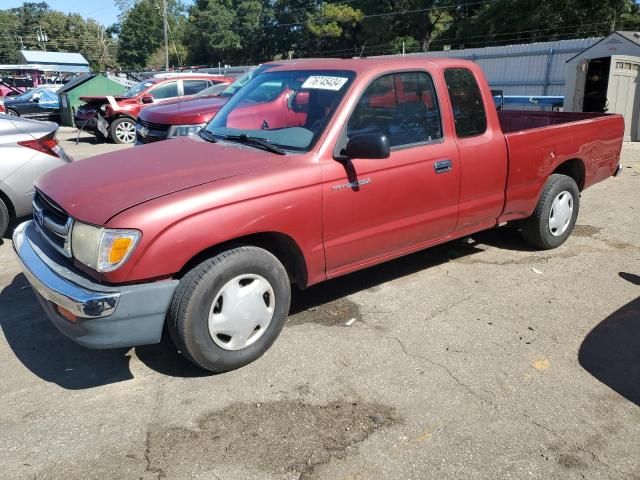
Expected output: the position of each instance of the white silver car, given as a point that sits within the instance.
(28, 150)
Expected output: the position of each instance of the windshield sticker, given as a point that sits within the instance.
(321, 82)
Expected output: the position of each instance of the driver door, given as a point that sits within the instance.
(376, 209)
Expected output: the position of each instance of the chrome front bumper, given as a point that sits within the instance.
(107, 317)
(79, 301)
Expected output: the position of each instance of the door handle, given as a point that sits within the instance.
(442, 166)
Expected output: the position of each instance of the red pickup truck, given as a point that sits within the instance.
(206, 234)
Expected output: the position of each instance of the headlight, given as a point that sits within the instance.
(103, 249)
(184, 130)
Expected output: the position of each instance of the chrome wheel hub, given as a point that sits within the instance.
(241, 312)
(126, 132)
(561, 213)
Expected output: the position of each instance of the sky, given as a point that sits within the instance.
(103, 11)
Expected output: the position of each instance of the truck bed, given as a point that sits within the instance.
(538, 143)
(518, 120)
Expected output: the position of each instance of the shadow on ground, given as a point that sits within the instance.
(611, 351)
(54, 358)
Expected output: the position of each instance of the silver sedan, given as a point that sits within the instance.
(28, 150)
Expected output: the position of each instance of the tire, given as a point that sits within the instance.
(12, 113)
(5, 218)
(123, 130)
(555, 215)
(204, 313)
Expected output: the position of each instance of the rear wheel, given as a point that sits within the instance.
(12, 112)
(4, 218)
(228, 311)
(123, 130)
(555, 215)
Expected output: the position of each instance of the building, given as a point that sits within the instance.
(534, 69)
(604, 78)
(53, 61)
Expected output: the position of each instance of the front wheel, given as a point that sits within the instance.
(12, 113)
(555, 215)
(123, 130)
(228, 311)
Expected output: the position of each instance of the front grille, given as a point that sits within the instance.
(154, 126)
(54, 224)
(148, 139)
(148, 132)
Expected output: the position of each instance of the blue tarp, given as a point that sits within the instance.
(49, 99)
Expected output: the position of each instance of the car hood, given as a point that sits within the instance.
(96, 189)
(187, 112)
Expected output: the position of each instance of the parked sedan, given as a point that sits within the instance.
(40, 103)
(28, 149)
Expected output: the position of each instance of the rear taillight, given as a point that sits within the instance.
(47, 144)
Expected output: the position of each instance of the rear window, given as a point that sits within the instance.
(466, 100)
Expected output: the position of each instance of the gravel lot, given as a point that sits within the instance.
(476, 359)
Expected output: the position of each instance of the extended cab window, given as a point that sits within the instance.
(166, 90)
(402, 106)
(466, 100)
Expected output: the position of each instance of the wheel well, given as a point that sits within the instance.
(283, 247)
(573, 168)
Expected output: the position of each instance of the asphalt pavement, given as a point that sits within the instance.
(477, 359)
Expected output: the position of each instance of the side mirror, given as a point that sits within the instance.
(299, 102)
(368, 146)
(35, 99)
(147, 98)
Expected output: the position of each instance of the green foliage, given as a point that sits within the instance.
(251, 31)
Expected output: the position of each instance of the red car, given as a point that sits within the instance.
(368, 160)
(2, 110)
(115, 117)
(184, 117)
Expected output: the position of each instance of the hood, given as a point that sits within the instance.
(96, 189)
(187, 112)
(103, 99)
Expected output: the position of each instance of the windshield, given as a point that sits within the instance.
(137, 89)
(212, 91)
(289, 109)
(242, 80)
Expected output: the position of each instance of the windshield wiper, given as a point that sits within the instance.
(207, 135)
(254, 141)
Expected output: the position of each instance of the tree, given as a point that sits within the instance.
(335, 25)
(141, 34)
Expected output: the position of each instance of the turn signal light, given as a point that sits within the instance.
(119, 249)
(66, 314)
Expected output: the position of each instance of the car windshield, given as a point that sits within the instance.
(242, 80)
(289, 109)
(137, 89)
(212, 91)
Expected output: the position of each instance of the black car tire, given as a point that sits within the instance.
(12, 112)
(537, 229)
(5, 218)
(214, 284)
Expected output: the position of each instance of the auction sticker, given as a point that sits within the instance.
(322, 82)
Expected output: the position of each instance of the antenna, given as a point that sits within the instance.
(363, 47)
